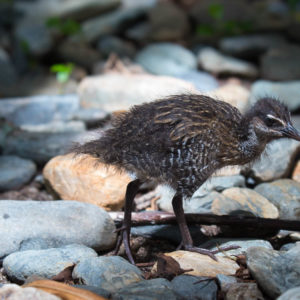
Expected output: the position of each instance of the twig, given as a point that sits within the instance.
(157, 217)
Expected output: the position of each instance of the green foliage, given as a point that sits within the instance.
(220, 26)
(66, 27)
(293, 4)
(216, 11)
(63, 71)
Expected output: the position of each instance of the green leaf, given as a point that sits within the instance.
(62, 77)
(216, 11)
(205, 30)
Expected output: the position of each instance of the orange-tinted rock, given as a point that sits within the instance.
(296, 172)
(84, 179)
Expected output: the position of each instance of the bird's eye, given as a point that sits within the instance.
(272, 121)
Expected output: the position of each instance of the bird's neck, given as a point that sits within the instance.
(252, 144)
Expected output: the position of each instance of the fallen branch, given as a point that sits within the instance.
(158, 218)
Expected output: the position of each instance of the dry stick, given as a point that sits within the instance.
(157, 217)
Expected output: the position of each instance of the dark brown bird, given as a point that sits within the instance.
(181, 140)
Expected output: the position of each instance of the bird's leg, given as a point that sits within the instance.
(187, 241)
(124, 235)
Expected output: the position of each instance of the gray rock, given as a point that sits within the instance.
(288, 92)
(90, 116)
(109, 23)
(291, 294)
(166, 59)
(44, 263)
(213, 61)
(244, 245)
(15, 172)
(202, 199)
(244, 290)
(38, 146)
(61, 222)
(287, 247)
(8, 74)
(73, 9)
(36, 36)
(250, 45)
(13, 291)
(281, 63)
(78, 52)
(39, 109)
(38, 244)
(154, 289)
(274, 271)
(277, 163)
(139, 32)
(225, 282)
(94, 289)
(161, 19)
(186, 287)
(285, 195)
(56, 127)
(110, 273)
(204, 82)
(112, 44)
(119, 91)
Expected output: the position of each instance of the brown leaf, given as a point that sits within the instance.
(65, 275)
(64, 291)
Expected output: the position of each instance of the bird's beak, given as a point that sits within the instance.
(291, 132)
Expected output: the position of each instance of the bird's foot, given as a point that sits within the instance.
(210, 253)
(124, 236)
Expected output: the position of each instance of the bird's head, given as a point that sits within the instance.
(271, 119)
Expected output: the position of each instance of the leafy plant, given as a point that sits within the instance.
(66, 27)
(63, 71)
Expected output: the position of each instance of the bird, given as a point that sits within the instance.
(180, 141)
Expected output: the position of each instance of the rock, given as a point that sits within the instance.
(110, 23)
(44, 263)
(242, 243)
(233, 93)
(35, 36)
(203, 265)
(72, 9)
(204, 82)
(285, 195)
(119, 91)
(201, 201)
(291, 294)
(90, 116)
(288, 92)
(189, 287)
(110, 273)
(56, 127)
(296, 172)
(159, 288)
(38, 146)
(139, 32)
(277, 163)
(274, 271)
(244, 291)
(166, 59)
(61, 222)
(225, 282)
(41, 109)
(287, 247)
(8, 74)
(247, 200)
(281, 63)
(78, 53)
(250, 45)
(85, 179)
(163, 27)
(15, 172)
(213, 61)
(96, 290)
(15, 292)
(112, 44)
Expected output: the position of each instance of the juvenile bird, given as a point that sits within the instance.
(181, 140)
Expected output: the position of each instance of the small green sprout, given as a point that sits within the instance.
(63, 71)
